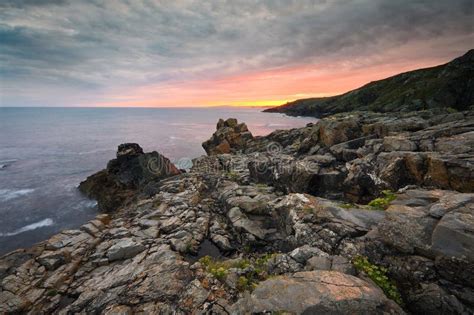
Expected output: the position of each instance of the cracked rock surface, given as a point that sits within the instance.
(282, 217)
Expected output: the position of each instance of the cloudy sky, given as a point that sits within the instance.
(212, 52)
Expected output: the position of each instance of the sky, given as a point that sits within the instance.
(154, 53)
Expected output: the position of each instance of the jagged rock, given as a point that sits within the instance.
(52, 259)
(132, 170)
(230, 136)
(317, 292)
(267, 202)
(333, 132)
(10, 303)
(305, 252)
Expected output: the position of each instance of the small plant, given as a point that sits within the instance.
(382, 203)
(218, 269)
(348, 205)
(243, 284)
(307, 209)
(233, 175)
(220, 273)
(451, 110)
(255, 270)
(242, 263)
(378, 275)
(189, 248)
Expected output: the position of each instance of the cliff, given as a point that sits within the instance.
(446, 86)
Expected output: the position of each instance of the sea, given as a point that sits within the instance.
(46, 152)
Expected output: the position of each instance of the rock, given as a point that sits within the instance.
(334, 131)
(230, 136)
(52, 259)
(328, 292)
(123, 249)
(432, 299)
(10, 303)
(305, 252)
(398, 143)
(272, 207)
(243, 223)
(454, 234)
(282, 264)
(342, 264)
(408, 229)
(131, 171)
(119, 310)
(130, 149)
(319, 263)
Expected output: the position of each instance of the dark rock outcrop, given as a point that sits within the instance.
(132, 170)
(354, 156)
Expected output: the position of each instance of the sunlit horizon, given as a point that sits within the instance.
(203, 54)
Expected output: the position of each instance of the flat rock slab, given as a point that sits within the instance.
(317, 292)
(124, 248)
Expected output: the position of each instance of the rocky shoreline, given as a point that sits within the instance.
(358, 213)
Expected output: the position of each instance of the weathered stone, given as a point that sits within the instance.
(303, 253)
(398, 143)
(53, 259)
(229, 137)
(407, 228)
(454, 234)
(123, 249)
(10, 303)
(319, 263)
(317, 292)
(130, 171)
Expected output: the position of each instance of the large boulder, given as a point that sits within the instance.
(317, 292)
(131, 171)
(229, 137)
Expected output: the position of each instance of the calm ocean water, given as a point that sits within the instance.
(46, 152)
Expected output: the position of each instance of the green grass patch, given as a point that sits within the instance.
(232, 175)
(347, 205)
(255, 270)
(308, 209)
(384, 201)
(378, 274)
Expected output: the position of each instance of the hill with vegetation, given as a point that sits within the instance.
(449, 86)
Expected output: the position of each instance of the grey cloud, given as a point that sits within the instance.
(26, 3)
(103, 44)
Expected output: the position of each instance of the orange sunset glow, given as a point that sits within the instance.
(265, 88)
(208, 53)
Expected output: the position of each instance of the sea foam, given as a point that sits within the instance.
(29, 227)
(7, 194)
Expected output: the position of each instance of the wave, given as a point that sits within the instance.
(7, 194)
(29, 227)
(87, 204)
(6, 163)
